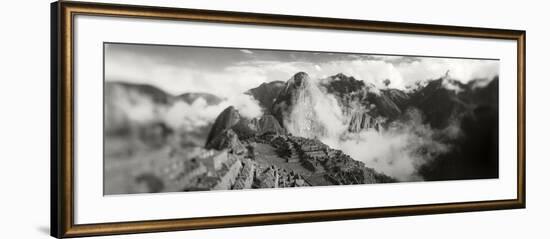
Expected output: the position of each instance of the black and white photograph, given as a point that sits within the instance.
(198, 118)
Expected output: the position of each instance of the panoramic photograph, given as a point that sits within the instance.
(193, 118)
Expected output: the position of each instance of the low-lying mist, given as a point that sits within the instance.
(127, 105)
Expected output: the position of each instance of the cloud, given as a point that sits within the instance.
(246, 105)
(463, 70)
(176, 79)
(398, 151)
(124, 104)
(199, 113)
(187, 117)
(407, 72)
(228, 72)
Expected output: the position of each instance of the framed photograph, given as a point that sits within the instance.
(170, 119)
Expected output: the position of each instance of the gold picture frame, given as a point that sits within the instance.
(62, 128)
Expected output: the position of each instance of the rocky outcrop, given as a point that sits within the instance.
(246, 177)
(245, 129)
(343, 86)
(363, 103)
(399, 97)
(242, 127)
(289, 96)
(268, 124)
(229, 140)
(384, 106)
(361, 119)
(266, 177)
(227, 119)
(297, 108)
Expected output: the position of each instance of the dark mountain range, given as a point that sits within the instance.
(475, 152)
(345, 86)
(349, 91)
(192, 97)
(440, 104)
(155, 94)
(398, 97)
(159, 96)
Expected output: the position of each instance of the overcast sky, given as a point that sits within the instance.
(227, 72)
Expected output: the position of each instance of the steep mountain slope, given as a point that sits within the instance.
(227, 119)
(268, 124)
(351, 92)
(266, 93)
(440, 104)
(289, 95)
(398, 97)
(475, 111)
(298, 107)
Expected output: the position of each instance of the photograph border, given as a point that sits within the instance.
(62, 118)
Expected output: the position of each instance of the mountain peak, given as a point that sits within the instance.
(299, 80)
(226, 119)
(343, 77)
(341, 84)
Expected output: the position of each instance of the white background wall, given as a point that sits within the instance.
(24, 121)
